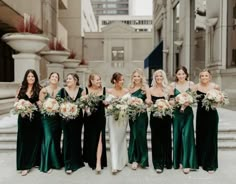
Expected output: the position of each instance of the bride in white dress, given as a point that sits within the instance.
(117, 128)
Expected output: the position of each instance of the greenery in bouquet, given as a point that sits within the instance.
(135, 107)
(89, 102)
(117, 108)
(161, 108)
(24, 108)
(213, 99)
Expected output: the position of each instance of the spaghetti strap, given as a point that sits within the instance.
(104, 91)
(86, 90)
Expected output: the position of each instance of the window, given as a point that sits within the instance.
(117, 53)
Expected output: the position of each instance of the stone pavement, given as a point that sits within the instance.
(226, 174)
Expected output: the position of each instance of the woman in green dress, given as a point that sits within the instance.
(138, 149)
(94, 150)
(206, 126)
(29, 134)
(160, 126)
(72, 128)
(51, 157)
(184, 152)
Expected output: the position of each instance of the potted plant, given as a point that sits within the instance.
(28, 39)
(72, 62)
(57, 53)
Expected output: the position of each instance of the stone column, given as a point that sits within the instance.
(83, 73)
(23, 62)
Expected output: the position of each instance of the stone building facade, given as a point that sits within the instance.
(197, 42)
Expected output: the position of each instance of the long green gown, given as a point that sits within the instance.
(29, 138)
(161, 140)
(184, 151)
(94, 125)
(51, 157)
(72, 129)
(138, 150)
(206, 136)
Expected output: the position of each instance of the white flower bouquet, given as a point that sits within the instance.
(68, 110)
(135, 107)
(117, 108)
(50, 107)
(185, 99)
(161, 108)
(24, 108)
(213, 99)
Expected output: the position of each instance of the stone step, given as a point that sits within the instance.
(222, 146)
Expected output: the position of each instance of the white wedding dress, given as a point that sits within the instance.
(118, 140)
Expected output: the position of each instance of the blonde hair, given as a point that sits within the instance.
(143, 80)
(165, 84)
(91, 77)
(205, 70)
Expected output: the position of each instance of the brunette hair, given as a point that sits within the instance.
(184, 70)
(54, 73)
(116, 77)
(24, 85)
(75, 77)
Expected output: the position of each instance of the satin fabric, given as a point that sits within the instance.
(51, 156)
(184, 151)
(138, 149)
(118, 139)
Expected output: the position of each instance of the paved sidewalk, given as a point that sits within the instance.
(226, 174)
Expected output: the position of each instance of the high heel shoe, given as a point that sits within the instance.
(159, 171)
(24, 172)
(68, 172)
(98, 170)
(186, 170)
(211, 172)
(114, 171)
(49, 171)
(134, 165)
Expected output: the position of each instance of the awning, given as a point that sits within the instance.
(154, 59)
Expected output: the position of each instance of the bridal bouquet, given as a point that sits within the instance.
(213, 99)
(50, 107)
(185, 99)
(135, 107)
(161, 108)
(24, 108)
(117, 108)
(89, 102)
(68, 110)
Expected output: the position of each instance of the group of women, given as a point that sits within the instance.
(39, 138)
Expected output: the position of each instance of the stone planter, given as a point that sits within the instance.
(55, 56)
(71, 63)
(26, 42)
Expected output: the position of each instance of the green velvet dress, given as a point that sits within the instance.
(206, 136)
(72, 129)
(94, 126)
(51, 157)
(161, 140)
(184, 151)
(138, 150)
(29, 138)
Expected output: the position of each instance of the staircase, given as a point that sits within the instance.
(226, 139)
